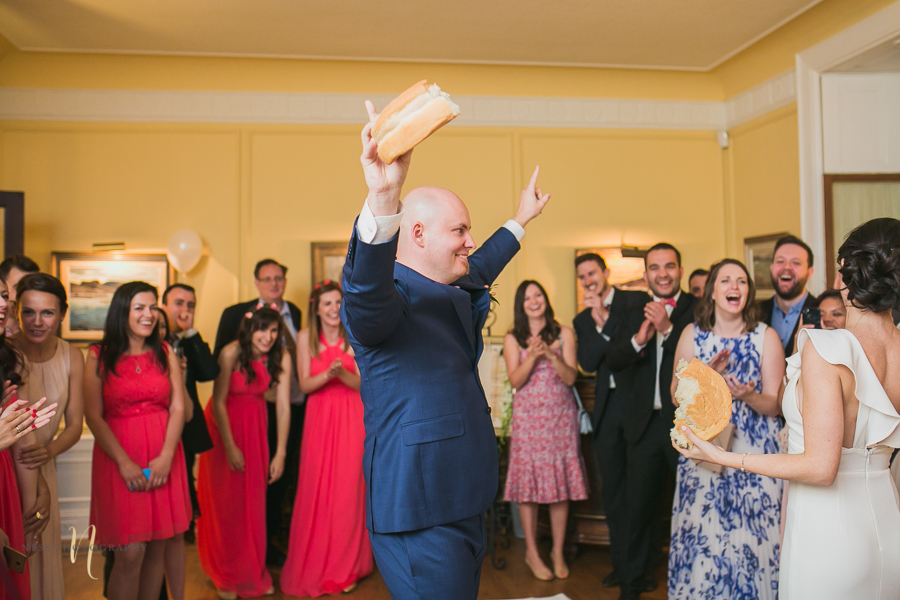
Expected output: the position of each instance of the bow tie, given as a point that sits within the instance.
(668, 301)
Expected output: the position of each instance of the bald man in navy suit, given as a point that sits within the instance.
(415, 300)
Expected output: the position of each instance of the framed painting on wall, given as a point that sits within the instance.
(328, 261)
(626, 269)
(91, 279)
(758, 252)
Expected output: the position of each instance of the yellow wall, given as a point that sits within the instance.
(108, 71)
(269, 190)
(256, 191)
(776, 53)
(762, 172)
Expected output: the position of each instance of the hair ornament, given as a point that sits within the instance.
(273, 307)
(248, 314)
(260, 304)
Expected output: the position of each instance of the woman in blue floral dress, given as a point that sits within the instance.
(725, 526)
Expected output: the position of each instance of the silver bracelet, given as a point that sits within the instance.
(743, 456)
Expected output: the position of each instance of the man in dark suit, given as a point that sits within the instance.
(179, 302)
(642, 357)
(414, 305)
(596, 327)
(791, 268)
(270, 279)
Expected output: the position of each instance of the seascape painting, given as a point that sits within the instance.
(91, 281)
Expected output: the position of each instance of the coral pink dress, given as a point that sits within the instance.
(329, 547)
(11, 524)
(545, 462)
(136, 408)
(231, 531)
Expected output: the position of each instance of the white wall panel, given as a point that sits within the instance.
(861, 122)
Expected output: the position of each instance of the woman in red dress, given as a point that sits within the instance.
(330, 549)
(231, 485)
(134, 405)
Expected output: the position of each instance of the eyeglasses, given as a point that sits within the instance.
(269, 280)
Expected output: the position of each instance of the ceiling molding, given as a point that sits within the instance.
(178, 106)
(770, 95)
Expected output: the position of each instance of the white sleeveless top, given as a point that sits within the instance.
(843, 541)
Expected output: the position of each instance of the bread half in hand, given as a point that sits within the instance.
(410, 118)
(704, 402)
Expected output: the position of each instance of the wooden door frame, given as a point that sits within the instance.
(829, 180)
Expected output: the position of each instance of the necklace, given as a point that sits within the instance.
(137, 369)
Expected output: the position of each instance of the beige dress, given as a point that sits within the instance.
(51, 379)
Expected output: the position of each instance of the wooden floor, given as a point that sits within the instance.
(515, 581)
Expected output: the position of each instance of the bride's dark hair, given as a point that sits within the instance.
(869, 262)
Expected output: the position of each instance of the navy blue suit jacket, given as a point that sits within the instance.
(430, 450)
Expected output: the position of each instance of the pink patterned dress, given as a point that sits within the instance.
(545, 462)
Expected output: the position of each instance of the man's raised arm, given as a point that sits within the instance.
(372, 307)
(483, 264)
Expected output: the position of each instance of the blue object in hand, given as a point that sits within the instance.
(147, 474)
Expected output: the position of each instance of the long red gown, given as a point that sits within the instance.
(231, 531)
(11, 523)
(329, 548)
(136, 408)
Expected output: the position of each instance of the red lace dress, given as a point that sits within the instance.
(136, 408)
(329, 548)
(11, 523)
(545, 462)
(231, 531)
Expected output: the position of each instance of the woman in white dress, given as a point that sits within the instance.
(842, 535)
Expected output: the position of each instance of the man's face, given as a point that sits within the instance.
(592, 277)
(15, 274)
(448, 242)
(663, 273)
(179, 307)
(790, 271)
(697, 283)
(270, 283)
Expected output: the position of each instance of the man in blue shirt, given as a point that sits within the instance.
(791, 268)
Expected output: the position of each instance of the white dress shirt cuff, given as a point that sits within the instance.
(377, 230)
(637, 347)
(516, 229)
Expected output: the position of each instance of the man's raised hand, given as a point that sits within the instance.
(532, 201)
(383, 180)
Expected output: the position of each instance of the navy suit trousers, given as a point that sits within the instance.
(439, 563)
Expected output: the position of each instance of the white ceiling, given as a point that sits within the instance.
(661, 34)
(884, 58)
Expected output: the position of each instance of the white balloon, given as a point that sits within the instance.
(184, 250)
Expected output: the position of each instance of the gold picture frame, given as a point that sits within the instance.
(91, 279)
(327, 261)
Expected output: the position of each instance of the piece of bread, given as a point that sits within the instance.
(410, 118)
(704, 402)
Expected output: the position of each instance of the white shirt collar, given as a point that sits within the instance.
(607, 302)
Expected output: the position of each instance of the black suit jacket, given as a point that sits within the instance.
(768, 306)
(231, 321)
(201, 366)
(593, 346)
(636, 371)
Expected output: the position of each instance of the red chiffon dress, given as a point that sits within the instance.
(329, 548)
(136, 408)
(231, 531)
(11, 524)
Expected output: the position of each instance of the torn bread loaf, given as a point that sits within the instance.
(410, 118)
(704, 402)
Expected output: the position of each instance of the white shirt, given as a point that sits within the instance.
(379, 230)
(660, 338)
(607, 302)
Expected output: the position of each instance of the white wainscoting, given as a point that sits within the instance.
(73, 480)
(861, 122)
